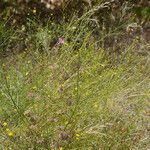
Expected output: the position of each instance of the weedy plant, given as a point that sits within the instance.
(72, 93)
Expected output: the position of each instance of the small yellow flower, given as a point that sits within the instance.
(7, 130)
(95, 105)
(34, 87)
(60, 148)
(76, 88)
(29, 62)
(77, 138)
(10, 134)
(77, 135)
(73, 28)
(102, 65)
(15, 110)
(34, 11)
(66, 122)
(27, 73)
(5, 124)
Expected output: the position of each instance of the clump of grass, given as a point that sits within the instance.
(75, 100)
(74, 95)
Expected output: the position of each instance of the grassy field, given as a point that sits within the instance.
(75, 96)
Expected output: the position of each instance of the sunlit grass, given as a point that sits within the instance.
(71, 93)
(74, 101)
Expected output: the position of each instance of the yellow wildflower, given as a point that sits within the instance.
(77, 138)
(95, 105)
(27, 73)
(5, 124)
(10, 134)
(34, 11)
(34, 87)
(73, 28)
(15, 110)
(7, 129)
(77, 135)
(29, 62)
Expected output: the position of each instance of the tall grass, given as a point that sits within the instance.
(73, 95)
